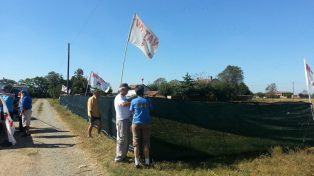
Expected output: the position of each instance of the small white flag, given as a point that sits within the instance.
(64, 89)
(97, 82)
(143, 38)
(8, 122)
(309, 75)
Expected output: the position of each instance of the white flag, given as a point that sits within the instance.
(97, 82)
(143, 38)
(309, 75)
(64, 89)
(8, 122)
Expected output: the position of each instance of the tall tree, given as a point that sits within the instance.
(232, 75)
(187, 86)
(55, 82)
(79, 83)
(271, 88)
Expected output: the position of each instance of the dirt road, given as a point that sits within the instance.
(51, 150)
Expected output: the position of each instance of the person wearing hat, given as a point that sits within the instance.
(26, 112)
(141, 125)
(93, 112)
(123, 115)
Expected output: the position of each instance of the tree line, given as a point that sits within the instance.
(228, 85)
(49, 86)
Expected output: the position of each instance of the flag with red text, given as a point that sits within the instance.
(8, 122)
(143, 38)
(97, 82)
(309, 76)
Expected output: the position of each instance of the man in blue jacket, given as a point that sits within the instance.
(26, 112)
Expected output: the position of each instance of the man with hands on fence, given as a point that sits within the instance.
(141, 125)
(123, 115)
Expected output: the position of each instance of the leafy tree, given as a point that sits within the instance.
(174, 86)
(260, 94)
(271, 88)
(37, 87)
(159, 81)
(79, 72)
(79, 83)
(55, 82)
(164, 89)
(287, 94)
(232, 75)
(153, 87)
(156, 84)
(243, 89)
(186, 88)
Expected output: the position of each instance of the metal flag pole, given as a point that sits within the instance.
(308, 89)
(126, 48)
(88, 82)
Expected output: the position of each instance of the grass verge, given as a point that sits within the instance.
(276, 162)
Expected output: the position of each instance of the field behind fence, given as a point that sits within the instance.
(186, 130)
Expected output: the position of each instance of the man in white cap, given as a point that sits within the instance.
(123, 115)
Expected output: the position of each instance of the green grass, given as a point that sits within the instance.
(274, 100)
(277, 161)
(203, 141)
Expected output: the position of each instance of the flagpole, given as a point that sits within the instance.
(126, 48)
(88, 82)
(308, 89)
(68, 68)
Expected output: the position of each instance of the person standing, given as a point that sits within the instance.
(141, 124)
(20, 108)
(26, 112)
(93, 112)
(123, 115)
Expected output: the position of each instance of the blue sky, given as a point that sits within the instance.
(268, 39)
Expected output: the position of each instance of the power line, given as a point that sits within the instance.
(84, 24)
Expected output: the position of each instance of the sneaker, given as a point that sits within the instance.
(26, 135)
(118, 160)
(138, 166)
(6, 144)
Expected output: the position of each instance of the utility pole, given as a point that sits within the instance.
(292, 89)
(68, 68)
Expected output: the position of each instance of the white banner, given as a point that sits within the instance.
(97, 82)
(310, 76)
(64, 89)
(143, 38)
(8, 122)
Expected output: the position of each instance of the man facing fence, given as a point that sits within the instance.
(141, 125)
(123, 114)
(93, 112)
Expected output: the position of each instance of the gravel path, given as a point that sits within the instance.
(51, 150)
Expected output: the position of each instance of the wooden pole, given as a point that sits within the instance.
(68, 68)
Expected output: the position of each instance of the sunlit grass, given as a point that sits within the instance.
(277, 161)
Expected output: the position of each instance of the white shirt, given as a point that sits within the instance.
(122, 112)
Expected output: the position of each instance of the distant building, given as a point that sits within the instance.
(147, 91)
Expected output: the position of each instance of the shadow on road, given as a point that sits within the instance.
(34, 141)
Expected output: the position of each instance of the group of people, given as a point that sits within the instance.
(24, 111)
(137, 112)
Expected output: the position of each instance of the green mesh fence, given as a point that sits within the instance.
(184, 130)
